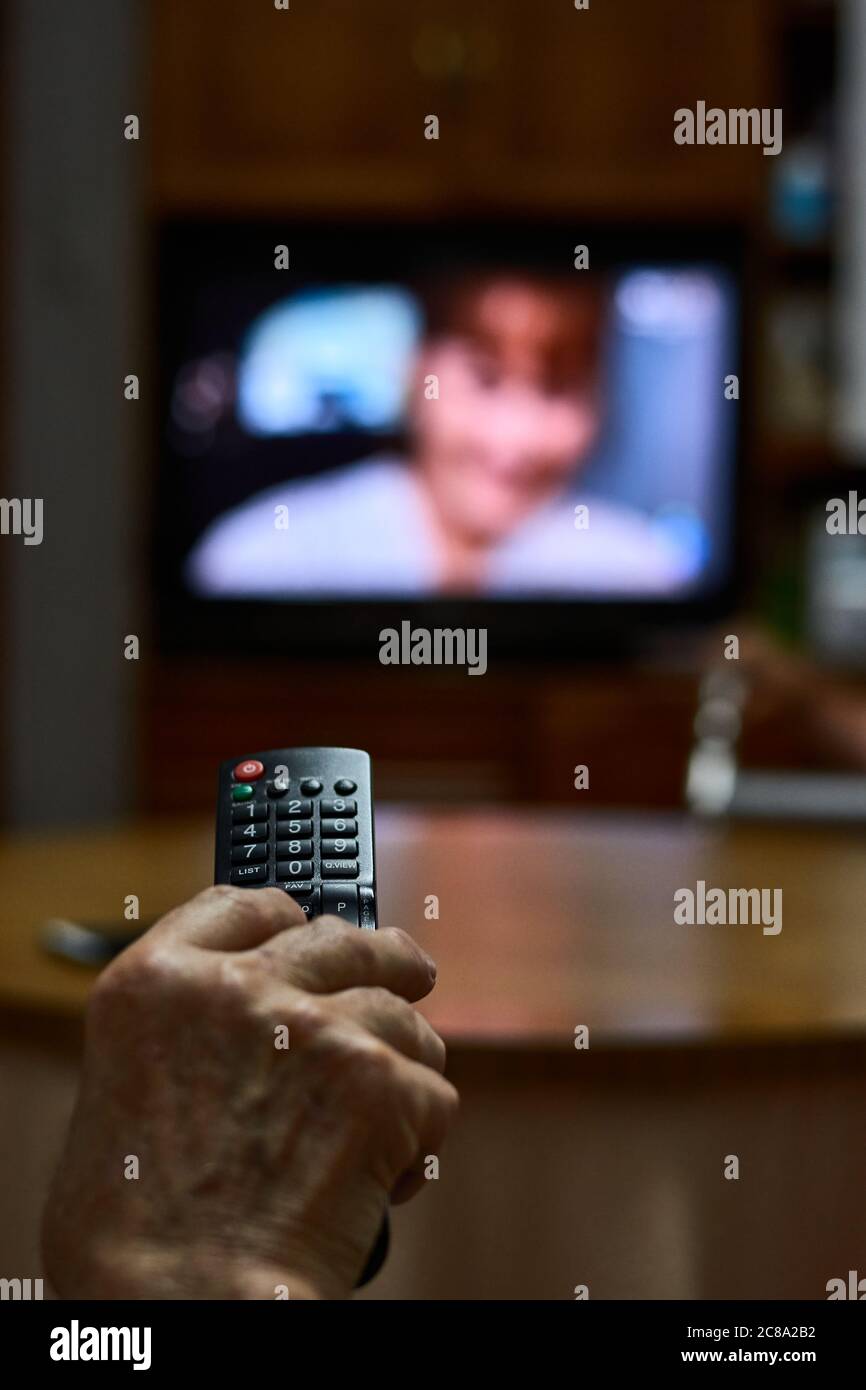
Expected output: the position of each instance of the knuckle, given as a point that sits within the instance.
(140, 973)
(446, 1100)
(429, 1038)
(253, 907)
(371, 1067)
(383, 1002)
(233, 984)
(334, 927)
(264, 905)
(239, 902)
(355, 945)
(221, 890)
(306, 1016)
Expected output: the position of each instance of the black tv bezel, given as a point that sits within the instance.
(552, 631)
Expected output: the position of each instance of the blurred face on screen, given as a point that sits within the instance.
(517, 412)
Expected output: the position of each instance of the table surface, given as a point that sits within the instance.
(546, 921)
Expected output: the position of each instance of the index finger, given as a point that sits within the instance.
(332, 955)
(223, 918)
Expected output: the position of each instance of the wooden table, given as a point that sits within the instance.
(602, 1166)
(544, 922)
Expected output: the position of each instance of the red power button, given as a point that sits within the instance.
(249, 771)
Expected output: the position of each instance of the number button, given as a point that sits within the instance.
(253, 830)
(295, 827)
(347, 847)
(339, 826)
(249, 854)
(302, 848)
(340, 807)
(292, 806)
(295, 868)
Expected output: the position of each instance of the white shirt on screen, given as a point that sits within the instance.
(362, 530)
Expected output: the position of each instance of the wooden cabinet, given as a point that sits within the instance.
(434, 735)
(324, 105)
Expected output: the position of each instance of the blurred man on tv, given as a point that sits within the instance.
(504, 408)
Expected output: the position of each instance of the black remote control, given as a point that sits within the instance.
(301, 819)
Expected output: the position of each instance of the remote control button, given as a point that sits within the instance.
(291, 849)
(340, 826)
(250, 771)
(339, 868)
(293, 807)
(344, 787)
(249, 854)
(311, 786)
(294, 827)
(254, 810)
(308, 902)
(338, 808)
(366, 909)
(295, 868)
(347, 847)
(243, 792)
(253, 830)
(278, 789)
(250, 873)
(341, 902)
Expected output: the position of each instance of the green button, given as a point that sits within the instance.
(243, 792)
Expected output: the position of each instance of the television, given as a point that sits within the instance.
(530, 428)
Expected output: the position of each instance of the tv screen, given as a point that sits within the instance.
(466, 416)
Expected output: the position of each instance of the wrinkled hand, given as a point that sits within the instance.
(259, 1165)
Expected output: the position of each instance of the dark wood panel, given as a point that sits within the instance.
(432, 735)
(539, 105)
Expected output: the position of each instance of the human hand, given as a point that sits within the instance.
(259, 1165)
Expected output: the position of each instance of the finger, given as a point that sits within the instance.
(333, 955)
(439, 1106)
(223, 918)
(394, 1021)
(409, 1185)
